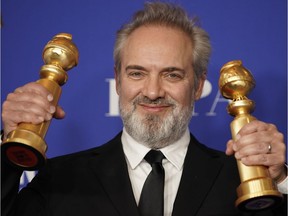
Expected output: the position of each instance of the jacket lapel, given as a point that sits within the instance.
(110, 166)
(200, 170)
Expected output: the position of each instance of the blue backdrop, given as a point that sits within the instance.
(254, 31)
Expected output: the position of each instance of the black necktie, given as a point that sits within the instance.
(152, 196)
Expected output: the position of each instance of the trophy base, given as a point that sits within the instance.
(24, 149)
(257, 194)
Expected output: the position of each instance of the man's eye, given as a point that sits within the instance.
(135, 74)
(174, 76)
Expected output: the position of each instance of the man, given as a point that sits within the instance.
(161, 59)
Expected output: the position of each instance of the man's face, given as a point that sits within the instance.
(156, 85)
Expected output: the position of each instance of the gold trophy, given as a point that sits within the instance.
(257, 191)
(25, 146)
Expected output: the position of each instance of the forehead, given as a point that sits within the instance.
(158, 42)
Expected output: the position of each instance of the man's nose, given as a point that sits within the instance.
(153, 88)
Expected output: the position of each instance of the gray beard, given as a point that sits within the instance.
(153, 131)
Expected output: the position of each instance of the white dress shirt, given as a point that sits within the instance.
(139, 169)
(175, 154)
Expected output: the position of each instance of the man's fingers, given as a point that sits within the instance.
(60, 113)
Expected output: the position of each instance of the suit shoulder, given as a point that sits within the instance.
(210, 152)
(84, 155)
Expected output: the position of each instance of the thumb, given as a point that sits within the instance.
(229, 147)
(59, 113)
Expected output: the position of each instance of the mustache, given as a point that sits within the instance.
(157, 101)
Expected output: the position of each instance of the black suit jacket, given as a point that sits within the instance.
(96, 182)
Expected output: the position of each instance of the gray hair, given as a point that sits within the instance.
(167, 14)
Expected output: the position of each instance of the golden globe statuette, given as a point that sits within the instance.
(25, 146)
(257, 191)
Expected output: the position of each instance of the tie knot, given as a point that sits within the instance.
(154, 156)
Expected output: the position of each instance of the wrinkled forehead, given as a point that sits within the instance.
(158, 42)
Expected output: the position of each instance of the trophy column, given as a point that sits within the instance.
(257, 191)
(25, 146)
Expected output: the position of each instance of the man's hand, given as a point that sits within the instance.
(259, 143)
(30, 103)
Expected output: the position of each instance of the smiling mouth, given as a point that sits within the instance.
(157, 105)
(154, 107)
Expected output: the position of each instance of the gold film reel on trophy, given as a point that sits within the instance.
(25, 146)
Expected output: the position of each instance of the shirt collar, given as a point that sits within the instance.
(174, 153)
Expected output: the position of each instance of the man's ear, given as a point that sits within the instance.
(117, 79)
(199, 90)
